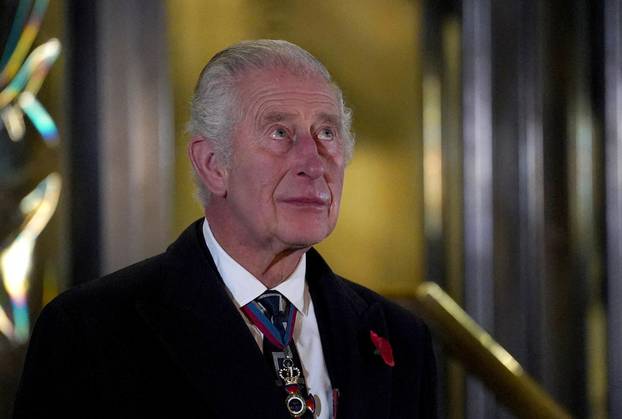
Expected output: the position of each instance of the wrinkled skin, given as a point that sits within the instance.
(281, 192)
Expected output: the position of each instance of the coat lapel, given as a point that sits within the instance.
(345, 321)
(205, 335)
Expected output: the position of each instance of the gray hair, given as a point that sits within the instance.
(214, 111)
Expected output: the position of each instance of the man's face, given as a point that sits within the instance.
(286, 174)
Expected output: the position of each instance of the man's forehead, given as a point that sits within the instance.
(281, 80)
(276, 95)
(274, 116)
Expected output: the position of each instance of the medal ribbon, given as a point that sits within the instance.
(256, 315)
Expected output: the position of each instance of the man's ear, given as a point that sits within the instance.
(208, 166)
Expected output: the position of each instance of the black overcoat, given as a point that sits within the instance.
(162, 338)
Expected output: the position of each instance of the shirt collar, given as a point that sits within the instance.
(243, 285)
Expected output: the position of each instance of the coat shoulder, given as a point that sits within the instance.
(143, 278)
(113, 293)
(391, 308)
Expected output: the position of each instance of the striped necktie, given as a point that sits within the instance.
(275, 317)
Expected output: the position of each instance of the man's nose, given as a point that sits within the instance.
(308, 159)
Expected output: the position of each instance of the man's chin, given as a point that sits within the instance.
(304, 232)
(305, 239)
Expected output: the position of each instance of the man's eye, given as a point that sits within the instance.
(278, 134)
(326, 134)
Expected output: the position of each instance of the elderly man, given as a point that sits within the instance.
(240, 317)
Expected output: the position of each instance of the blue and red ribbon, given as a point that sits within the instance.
(257, 316)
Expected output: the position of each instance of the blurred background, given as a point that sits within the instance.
(488, 160)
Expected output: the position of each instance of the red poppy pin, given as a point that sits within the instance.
(383, 348)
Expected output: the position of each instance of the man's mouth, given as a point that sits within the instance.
(307, 201)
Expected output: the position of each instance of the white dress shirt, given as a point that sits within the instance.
(243, 288)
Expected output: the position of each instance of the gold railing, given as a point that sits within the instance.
(484, 357)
